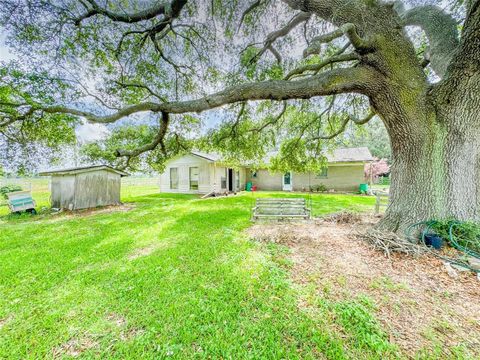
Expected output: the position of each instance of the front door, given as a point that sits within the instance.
(287, 181)
(230, 180)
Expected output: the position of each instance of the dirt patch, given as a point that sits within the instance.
(419, 301)
(74, 347)
(117, 320)
(147, 250)
(67, 214)
(126, 333)
(99, 210)
(4, 321)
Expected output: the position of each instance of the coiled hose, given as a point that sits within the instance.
(451, 239)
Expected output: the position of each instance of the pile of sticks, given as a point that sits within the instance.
(344, 217)
(389, 242)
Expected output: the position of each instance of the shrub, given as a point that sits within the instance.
(466, 234)
(4, 190)
(321, 188)
(384, 180)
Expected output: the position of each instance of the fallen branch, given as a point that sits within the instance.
(389, 242)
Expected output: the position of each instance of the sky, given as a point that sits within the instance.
(85, 132)
(5, 54)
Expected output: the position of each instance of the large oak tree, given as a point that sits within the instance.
(169, 58)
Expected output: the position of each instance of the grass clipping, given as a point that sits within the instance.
(389, 243)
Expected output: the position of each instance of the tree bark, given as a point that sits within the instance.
(436, 157)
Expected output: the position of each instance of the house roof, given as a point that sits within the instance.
(349, 155)
(207, 156)
(82, 169)
(338, 155)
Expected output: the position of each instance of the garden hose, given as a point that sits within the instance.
(454, 243)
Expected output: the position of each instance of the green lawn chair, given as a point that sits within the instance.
(21, 201)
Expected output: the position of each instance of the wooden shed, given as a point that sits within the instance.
(85, 187)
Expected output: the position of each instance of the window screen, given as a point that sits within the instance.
(173, 178)
(194, 178)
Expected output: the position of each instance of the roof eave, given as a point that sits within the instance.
(83, 170)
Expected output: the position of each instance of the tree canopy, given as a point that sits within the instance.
(142, 65)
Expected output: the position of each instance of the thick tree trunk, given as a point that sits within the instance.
(417, 188)
(436, 160)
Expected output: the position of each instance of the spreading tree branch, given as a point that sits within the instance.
(347, 29)
(343, 126)
(272, 37)
(250, 9)
(361, 80)
(319, 66)
(161, 8)
(157, 140)
(441, 31)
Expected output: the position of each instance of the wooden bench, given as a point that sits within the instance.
(21, 201)
(280, 209)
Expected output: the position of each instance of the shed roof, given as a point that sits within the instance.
(82, 169)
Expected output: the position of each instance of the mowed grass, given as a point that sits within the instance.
(175, 277)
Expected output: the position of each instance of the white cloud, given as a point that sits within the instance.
(5, 54)
(91, 132)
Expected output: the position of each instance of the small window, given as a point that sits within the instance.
(254, 174)
(237, 179)
(173, 178)
(323, 173)
(194, 178)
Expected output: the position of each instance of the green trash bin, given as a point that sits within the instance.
(248, 187)
(363, 188)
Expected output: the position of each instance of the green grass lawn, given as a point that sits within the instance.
(175, 277)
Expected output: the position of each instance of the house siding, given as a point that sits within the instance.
(210, 176)
(183, 164)
(340, 177)
(344, 176)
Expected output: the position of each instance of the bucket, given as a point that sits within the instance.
(433, 240)
(363, 188)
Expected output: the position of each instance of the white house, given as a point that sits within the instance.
(202, 173)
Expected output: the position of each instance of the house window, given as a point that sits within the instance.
(254, 174)
(194, 178)
(223, 180)
(237, 179)
(173, 178)
(323, 173)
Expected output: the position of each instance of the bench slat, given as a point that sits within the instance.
(281, 208)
